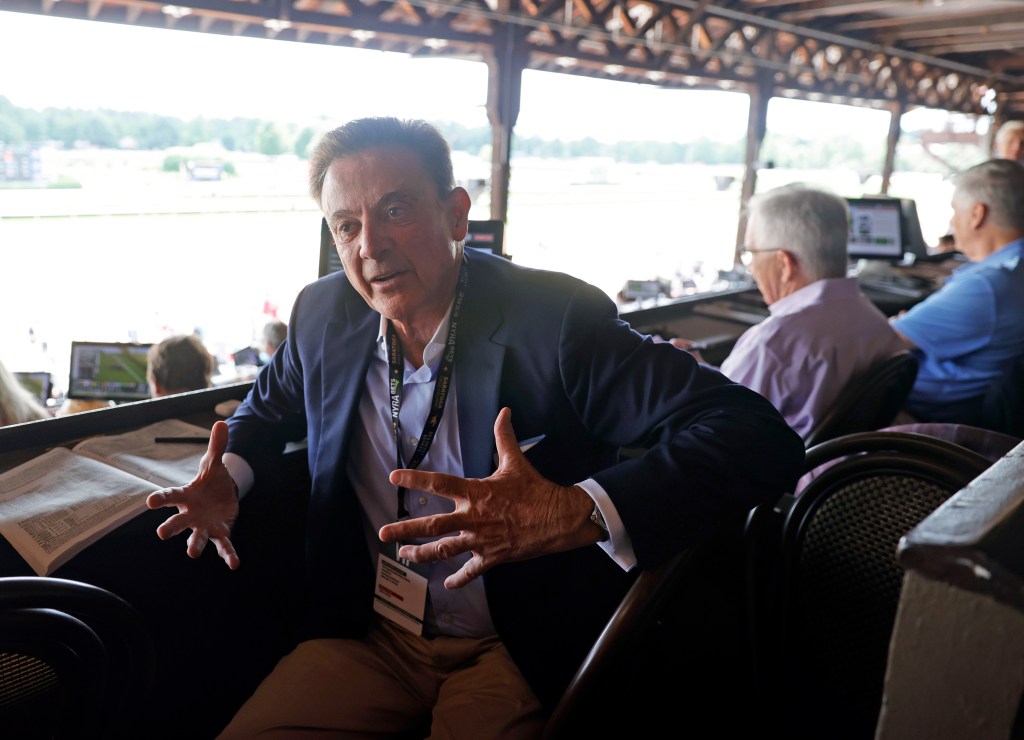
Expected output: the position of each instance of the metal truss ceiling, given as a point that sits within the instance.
(962, 55)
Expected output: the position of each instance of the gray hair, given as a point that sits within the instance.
(810, 223)
(999, 184)
(420, 137)
(275, 332)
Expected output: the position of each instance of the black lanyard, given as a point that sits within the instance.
(442, 383)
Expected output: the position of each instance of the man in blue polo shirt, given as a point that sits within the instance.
(968, 333)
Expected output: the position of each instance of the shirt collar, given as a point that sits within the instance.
(1006, 257)
(813, 293)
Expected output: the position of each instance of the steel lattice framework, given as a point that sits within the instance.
(672, 43)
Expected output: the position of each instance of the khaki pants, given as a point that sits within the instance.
(392, 682)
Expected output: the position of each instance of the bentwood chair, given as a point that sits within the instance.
(1002, 407)
(823, 582)
(76, 661)
(672, 649)
(870, 401)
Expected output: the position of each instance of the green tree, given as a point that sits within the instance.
(99, 129)
(163, 133)
(64, 126)
(195, 131)
(303, 140)
(34, 124)
(269, 140)
(11, 131)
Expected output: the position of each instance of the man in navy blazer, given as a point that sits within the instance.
(471, 526)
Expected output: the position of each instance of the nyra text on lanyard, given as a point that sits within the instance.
(442, 384)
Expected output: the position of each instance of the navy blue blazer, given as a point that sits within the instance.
(553, 349)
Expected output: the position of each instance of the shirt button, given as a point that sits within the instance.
(422, 501)
(446, 618)
(414, 440)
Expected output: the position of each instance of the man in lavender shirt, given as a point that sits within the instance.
(822, 331)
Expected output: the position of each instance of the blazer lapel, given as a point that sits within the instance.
(478, 363)
(346, 350)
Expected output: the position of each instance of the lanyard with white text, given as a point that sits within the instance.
(442, 382)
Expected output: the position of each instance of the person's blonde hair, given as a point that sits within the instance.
(16, 403)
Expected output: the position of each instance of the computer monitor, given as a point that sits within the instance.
(913, 237)
(108, 371)
(487, 236)
(39, 384)
(876, 229)
(329, 259)
(246, 356)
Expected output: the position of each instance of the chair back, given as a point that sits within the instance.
(76, 660)
(1002, 406)
(870, 401)
(824, 584)
(677, 632)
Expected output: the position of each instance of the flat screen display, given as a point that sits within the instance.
(876, 229)
(108, 371)
(486, 235)
(40, 385)
(329, 260)
(246, 356)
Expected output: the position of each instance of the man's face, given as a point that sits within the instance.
(961, 225)
(1013, 147)
(394, 234)
(764, 265)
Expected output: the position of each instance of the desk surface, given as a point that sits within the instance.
(21, 442)
(217, 631)
(723, 314)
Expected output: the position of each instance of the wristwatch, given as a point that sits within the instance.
(597, 518)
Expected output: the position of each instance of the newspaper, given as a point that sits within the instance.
(55, 505)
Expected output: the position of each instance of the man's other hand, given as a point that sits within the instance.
(514, 514)
(208, 505)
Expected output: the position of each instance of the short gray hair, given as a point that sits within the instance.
(275, 332)
(999, 184)
(419, 137)
(811, 223)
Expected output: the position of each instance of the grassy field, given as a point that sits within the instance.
(137, 254)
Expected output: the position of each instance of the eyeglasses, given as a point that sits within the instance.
(747, 254)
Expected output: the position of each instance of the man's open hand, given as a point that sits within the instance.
(514, 514)
(208, 505)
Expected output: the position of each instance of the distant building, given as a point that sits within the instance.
(203, 169)
(20, 163)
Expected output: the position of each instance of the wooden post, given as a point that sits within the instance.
(504, 88)
(757, 121)
(896, 109)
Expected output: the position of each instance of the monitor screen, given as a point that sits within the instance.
(913, 237)
(487, 236)
(876, 231)
(110, 371)
(40, 385)
(246, 356)
(329, 259)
